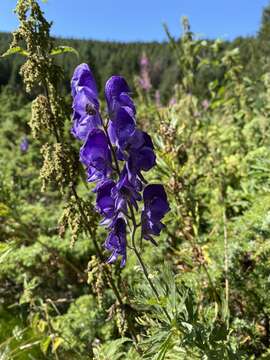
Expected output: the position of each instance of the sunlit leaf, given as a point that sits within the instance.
(63, 49)
(15, 50)
(56, 342)
(45, 343)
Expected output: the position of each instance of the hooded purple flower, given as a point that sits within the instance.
(105, 202)
(95, 155)
(116, 242)
(141, 154)
(125, 191)
(155, 207)
(122, 128)
(117, 95)
(83, 77)
(24, 145)
(85, 102)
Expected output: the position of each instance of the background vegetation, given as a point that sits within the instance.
(211, 134)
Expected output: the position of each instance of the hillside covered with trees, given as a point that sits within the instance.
(124, 58)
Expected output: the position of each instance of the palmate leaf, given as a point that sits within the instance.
(164, 347)
(111, 350)
(63, 49)
(5, 249)
(15, 50)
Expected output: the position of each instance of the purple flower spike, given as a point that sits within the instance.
(119, 180)
(83, 77)
(117, 95)
(95, 155)
(116, 242)
(155, 207)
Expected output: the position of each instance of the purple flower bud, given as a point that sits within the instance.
(95, 155)
(24, 145)
(155, 207)
(116, 242)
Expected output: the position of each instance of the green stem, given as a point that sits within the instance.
(112, 151)
(144, 269)
(226, 265)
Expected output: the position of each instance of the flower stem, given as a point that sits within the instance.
(226, 266)
(112, 151)
(144, 269)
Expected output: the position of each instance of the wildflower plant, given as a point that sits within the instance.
(144, 80)
(116, 154)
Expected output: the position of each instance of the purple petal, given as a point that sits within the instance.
(83, 77)
(117, 95)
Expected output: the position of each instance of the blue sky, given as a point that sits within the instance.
(124, 20)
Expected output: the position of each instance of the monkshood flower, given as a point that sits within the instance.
(24, 145)
(141, 154)
(126, 191)
(96, 156)
(105, 204)
(85, 102)
(83, 77)
(116, 242)
(115, 154)
(117, 94)
(155, 207)
(122, 129)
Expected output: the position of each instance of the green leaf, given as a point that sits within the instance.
(45, 343)
(42, 325)
(15, 50)
(56, 342)
(63, 49)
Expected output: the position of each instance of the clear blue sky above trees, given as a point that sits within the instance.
(142, 19)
